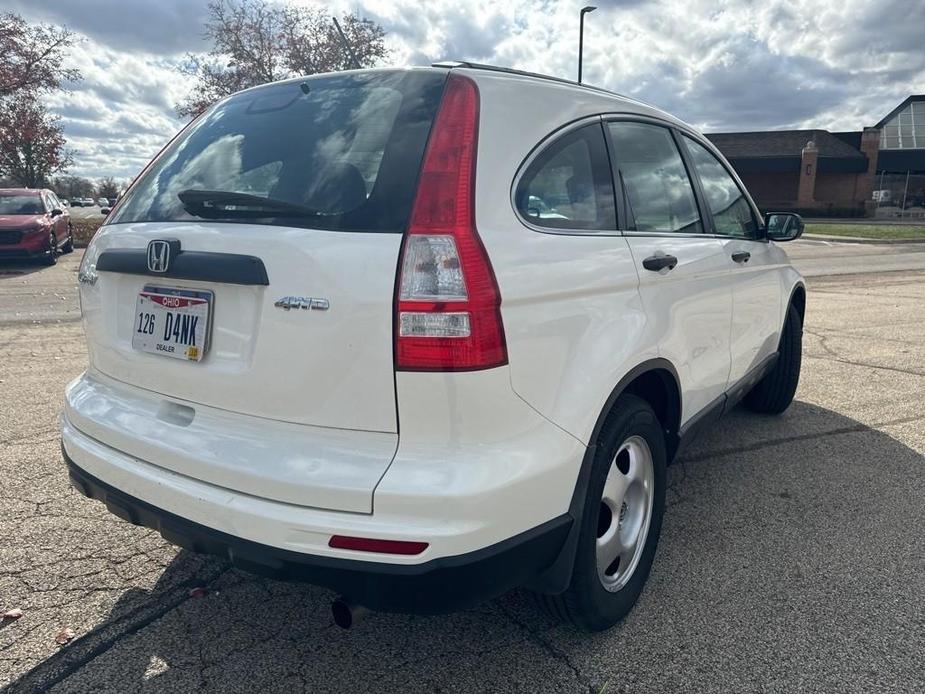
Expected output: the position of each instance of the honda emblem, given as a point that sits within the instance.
(158, 256)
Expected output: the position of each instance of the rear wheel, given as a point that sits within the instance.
(774, 393)
(621, 522)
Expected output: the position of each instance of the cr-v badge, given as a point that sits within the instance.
(306, 302)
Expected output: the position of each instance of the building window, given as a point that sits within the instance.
(905, 130)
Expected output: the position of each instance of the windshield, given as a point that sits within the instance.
(21, 204)
(346, 147)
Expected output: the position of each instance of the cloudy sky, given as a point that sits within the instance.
(721, 65)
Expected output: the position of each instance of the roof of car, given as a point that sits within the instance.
(20, 191)
(627, 103)
(596, 99)
(450, 64)
(494, 69)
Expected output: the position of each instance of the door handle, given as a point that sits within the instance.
(659, 262)
(741, 256)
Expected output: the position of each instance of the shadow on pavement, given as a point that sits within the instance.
(10, 268)
(791, 558)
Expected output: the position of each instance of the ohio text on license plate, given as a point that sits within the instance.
(172, 322)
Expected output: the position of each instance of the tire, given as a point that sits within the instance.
(597, 600)
(52, 257)
(68, 246)
(774, 393)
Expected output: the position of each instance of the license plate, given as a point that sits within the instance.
(172, 322)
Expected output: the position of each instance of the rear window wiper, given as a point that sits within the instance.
(221, 203)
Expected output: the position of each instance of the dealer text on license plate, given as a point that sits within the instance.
(172, 322)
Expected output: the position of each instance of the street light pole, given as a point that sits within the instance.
(581, 36)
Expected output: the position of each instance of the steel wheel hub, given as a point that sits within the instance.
(625, 513)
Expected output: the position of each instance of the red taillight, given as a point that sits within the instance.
(447, 306)
(366, 544)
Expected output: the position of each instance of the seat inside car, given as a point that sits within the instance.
(338, 187)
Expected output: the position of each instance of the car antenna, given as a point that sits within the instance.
(347, 47)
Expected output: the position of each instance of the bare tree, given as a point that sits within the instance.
(255, 41)
(108, 188)
(32, 56)
(31, 142)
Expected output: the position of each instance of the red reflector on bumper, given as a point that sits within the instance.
(365, 544)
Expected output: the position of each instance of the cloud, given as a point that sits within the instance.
(121, 113)
(730, 66)
(733, 65)
(155, 26)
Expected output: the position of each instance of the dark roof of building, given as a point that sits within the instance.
(781, 143)
(851, 138)
(908, 100)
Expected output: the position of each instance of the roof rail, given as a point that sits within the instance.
(450, 64)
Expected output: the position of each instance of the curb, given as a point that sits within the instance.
(858, 239)
(878, 221)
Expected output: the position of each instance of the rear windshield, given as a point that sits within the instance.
(339, 152)
(21, 204)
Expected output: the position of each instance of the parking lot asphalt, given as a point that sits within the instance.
(85, 212)
(792, 556)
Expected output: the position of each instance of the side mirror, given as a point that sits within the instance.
(784, 226)
(105, 211)
(56, 212)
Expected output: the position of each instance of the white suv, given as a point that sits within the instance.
(425, 335)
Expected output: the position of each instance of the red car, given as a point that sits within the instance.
(33, 224)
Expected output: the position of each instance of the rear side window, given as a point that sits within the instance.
(657, 191)
(339, 152)
(568, 186)
(732, 215)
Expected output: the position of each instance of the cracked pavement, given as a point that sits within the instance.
(792, 555)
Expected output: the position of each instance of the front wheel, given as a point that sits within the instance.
(621, 522)
(52, 257)
(68, 246)
(774, 393)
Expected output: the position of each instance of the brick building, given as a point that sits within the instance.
(874, 171)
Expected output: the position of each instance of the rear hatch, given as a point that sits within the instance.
(252, 266)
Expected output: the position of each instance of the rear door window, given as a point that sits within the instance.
(339, 152)
(658, 195)
(569, 186)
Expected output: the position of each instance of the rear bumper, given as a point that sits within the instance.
(484, 469)
(441, 585)
(487, 483)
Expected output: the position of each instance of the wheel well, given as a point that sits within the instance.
(659, 388)
(798, 301)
